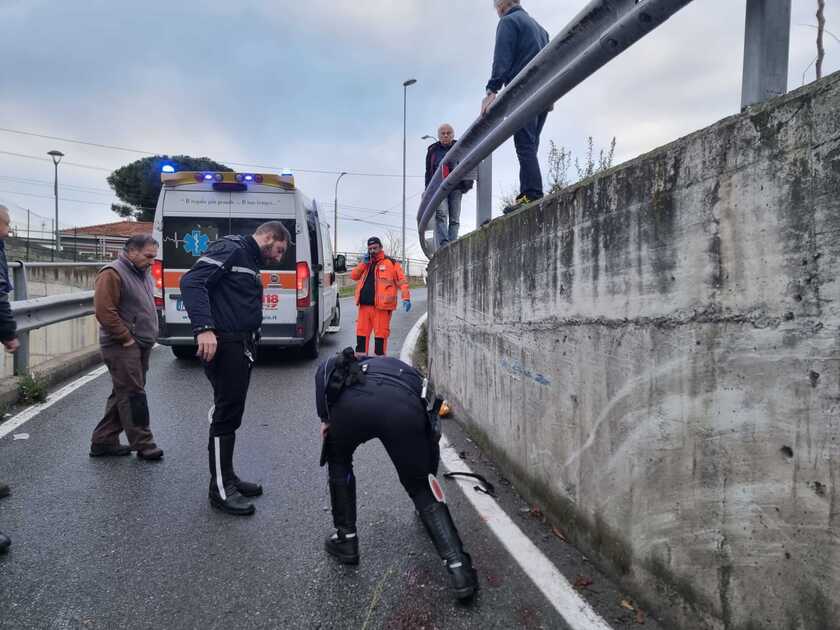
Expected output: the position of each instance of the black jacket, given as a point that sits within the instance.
(8, 327)
(434, 156)
(378, 368)
(223, 291)
(518, 40)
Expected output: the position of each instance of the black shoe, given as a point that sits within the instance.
(4, 490)
(5, 541)
(344, 547)
(232, 503)
(521, 201)
(463, 579)
(343, 544)
(109, 450)
(247, 489)
(150, 454)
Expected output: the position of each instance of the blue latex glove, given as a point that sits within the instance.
(366, 259)
(407, 305)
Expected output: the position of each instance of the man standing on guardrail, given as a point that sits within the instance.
(448, 214)
(378, 278)
(124, 303)
(519, 38)
(8, 328)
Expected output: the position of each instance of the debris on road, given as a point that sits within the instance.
(559, 534)
(583, 582)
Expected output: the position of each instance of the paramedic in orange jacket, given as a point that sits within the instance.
(376, 296)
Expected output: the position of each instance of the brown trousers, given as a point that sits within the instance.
(127, 408)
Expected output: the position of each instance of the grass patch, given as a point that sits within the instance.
(33, 389)
(420, 356)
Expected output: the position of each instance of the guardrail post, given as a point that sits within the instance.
(484, 191)
(19, 280)
(766, 51)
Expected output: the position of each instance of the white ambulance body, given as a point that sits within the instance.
(300, 301)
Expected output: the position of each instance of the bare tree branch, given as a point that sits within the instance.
(820, 31)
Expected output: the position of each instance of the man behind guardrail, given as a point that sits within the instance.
(124, 303)
(519, 38)
(448, 213)
(8, 328)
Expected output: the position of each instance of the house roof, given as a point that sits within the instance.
(120, 229)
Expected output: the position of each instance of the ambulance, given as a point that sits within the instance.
(300, 295)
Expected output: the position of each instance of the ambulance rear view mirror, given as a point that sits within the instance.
(340, 264)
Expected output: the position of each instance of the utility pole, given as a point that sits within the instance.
(406, 85)
(335, 227)
(56, 158)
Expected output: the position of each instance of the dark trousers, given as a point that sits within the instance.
(127, 408)
(527, 143)
(230, 375)
(399, 421)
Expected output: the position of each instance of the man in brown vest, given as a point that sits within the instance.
(125, 308)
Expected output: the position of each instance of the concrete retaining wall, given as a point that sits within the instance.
(653, 354)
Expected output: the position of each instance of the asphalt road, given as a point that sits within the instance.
(122, 543)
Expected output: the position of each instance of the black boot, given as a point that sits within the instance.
(246, 488)
(344, 543)
(4, 542)
(462, 577)
(223, 493)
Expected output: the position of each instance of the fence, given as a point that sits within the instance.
(599, 33)
(35, 313)
(414, 267)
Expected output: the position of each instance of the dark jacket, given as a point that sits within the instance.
(518, 40)
(8, 327)
(378, 369)
(124, 302)
(223, 291)
(434, 156)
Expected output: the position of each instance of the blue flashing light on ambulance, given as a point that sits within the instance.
(300, 294)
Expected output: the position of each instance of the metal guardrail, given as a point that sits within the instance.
(33, 313)
(600, 32)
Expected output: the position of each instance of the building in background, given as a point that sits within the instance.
(100, 242)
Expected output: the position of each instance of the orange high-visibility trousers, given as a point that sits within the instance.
(378, 321)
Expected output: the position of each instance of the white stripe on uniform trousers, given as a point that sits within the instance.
(219, 483)
(211, 261)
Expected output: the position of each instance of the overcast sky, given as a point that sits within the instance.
(317, 86)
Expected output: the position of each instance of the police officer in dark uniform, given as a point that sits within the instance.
(223, 295)
(362, 398)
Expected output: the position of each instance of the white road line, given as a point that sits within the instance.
(27, 414)
(546, 577)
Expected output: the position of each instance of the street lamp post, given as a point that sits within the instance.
(406, 84)
(335, 227)
(56, 158)
(428, 137)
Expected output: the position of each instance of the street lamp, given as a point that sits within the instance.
(406, 84)
(56, 158)
(428, 137)
(335, 237)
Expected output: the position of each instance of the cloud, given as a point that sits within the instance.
(318, 85)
